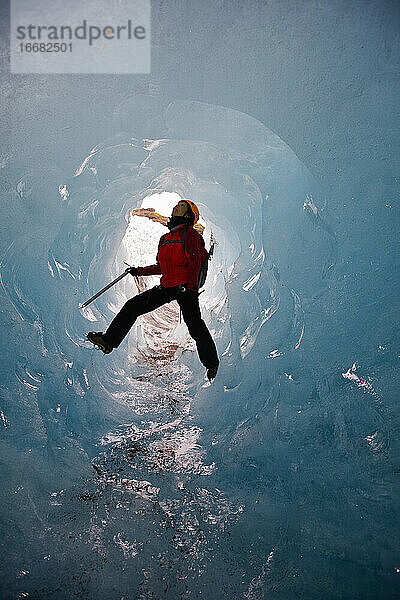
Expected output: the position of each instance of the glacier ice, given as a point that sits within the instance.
(129, 476)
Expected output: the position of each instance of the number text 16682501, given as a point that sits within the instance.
(46, 47)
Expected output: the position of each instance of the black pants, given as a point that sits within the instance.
(152, 299)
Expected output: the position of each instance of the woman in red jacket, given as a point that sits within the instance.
(181, 254)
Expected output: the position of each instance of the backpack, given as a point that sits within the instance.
(204, 267)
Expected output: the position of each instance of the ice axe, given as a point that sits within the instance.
(106, 288)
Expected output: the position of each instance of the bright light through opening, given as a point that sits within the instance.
(164, 203)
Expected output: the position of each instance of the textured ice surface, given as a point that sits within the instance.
(128, 475)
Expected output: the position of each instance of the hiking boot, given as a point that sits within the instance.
(211, 372)
(98, 340)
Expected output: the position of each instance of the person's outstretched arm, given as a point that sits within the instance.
(150, 270)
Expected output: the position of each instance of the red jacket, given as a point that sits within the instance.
(178, 263)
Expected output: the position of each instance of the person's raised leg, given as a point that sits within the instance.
(138, 305)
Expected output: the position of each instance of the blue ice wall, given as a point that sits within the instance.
(128, 475)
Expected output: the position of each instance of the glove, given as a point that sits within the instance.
(132, 270)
